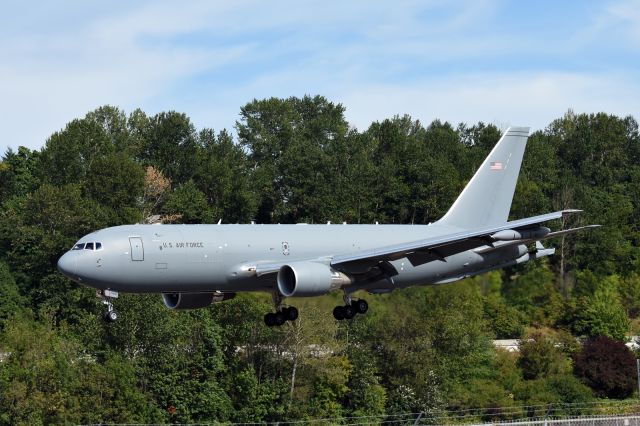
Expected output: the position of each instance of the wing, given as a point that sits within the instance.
(437, 248)
(531, 240)
(375, 263)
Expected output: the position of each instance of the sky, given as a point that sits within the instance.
(501, 62)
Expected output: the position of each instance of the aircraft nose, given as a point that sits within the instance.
(67, 265)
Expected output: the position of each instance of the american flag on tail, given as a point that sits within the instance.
(496, 165)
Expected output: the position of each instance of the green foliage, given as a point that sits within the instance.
(557, 390)
(170, 144)
(507, 322)
(46, 378)
(534, 293)
(288, 141)
(601, 314)
(224, 176)
(36, 229)
(189, 203)
(367, 396)
(420, 350)
(11, 300)
(540, 357)
(18, 173)
(116, 181)
(629, 290)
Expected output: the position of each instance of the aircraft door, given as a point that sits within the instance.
(137, 249)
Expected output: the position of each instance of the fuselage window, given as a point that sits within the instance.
(98, 246)
(88, 246)
(78, 246)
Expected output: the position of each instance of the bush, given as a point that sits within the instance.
(607, 366)
(540, 357)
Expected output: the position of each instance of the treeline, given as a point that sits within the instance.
(298, 160)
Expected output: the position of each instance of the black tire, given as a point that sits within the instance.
(361, 306)
(270, 319)
(112, 315)
(280, 318)
(290, 313)
(338, 313)
(349, 311)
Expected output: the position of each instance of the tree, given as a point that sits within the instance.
(170, 145)
(178, 358)
(367, 396)
(391, 138)
(297, 159)
(287, 141)
(188, 205)
(595, 159)
(534, 293)
(117, 181)
(566, 394)
(36, 229)
(601, 314)
(629, 289)
(506, 321)
(11, 301)
(607, 366)
(539, 358)
(18, 173)
(156, 189)
(68, 155)
(225, 177)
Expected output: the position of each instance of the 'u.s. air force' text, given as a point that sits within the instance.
(181, 244)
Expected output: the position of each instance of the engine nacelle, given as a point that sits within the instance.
(310, 279)
(181, 301)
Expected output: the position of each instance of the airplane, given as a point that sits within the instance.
(193, 266)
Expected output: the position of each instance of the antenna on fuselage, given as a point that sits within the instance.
(220, 221)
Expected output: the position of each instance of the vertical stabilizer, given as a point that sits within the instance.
(486, 200)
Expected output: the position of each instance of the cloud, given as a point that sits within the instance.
(51, 77)
(527, 99)
(627, 15)
(460, 61)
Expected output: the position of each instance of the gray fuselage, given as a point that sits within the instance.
(205, 258)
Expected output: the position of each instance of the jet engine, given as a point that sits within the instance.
(181, 301)
(310, 279)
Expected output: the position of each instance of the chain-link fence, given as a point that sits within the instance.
(576, 421)
(601, 413)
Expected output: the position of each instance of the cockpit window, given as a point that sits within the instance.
(88, 246)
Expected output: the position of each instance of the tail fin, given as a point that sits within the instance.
(486, 200)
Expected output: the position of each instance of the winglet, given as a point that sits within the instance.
(486, 200)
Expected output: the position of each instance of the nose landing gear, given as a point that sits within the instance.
(111, 315)
(107, 297)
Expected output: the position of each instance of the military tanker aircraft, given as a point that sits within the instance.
(193, 266)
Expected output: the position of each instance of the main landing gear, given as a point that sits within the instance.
(289, 313)
(350, 308)
(282, 314)
(107, 297)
